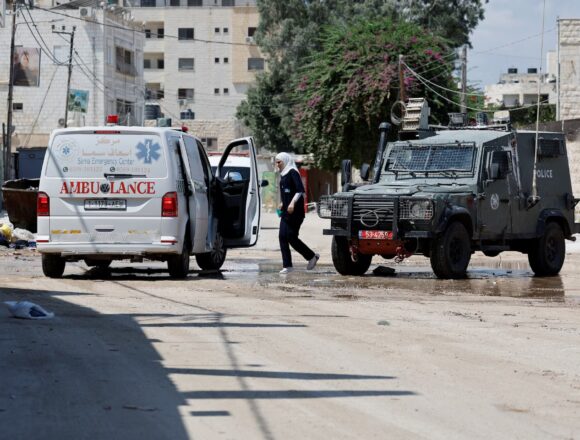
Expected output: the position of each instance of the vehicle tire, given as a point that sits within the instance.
(451, 252)
(546, 257)
(53, 265)
(100, 264)
(213, 260)
(344, 262)
(178, 265)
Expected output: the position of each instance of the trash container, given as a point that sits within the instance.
(19, 198)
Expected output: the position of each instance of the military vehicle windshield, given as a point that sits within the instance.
(447, 159)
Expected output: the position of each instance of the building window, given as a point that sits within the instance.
(125, 112)
(216, 60)
(226, 60)
(209, 143)
(161, 63)
(185, 33)
(226, 31)
(255, 63)
(228, 2)
(160, 33)
(194, 3)
(187, 114)
(147, 33)
(185, 94)
(174, 3)
(124, 61)
(17, 106)
(226, 91)
(148, 3)
(185, 64)
(216, 91)
(251, 31)
(216, 30)
(146, 64)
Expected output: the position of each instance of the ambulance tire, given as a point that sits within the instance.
(178, 265)
(344, 262)
(213, 260)
(546, 256)
(451, 252)
(53, 265)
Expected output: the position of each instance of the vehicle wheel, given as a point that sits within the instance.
(546, 257)
(101, 264)
(451, 252)
(178, 265)
(344, 262)
(213, 260)
(53, 265)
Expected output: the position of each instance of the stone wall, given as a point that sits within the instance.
(569, 49)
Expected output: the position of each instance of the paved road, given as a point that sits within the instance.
(250, 354)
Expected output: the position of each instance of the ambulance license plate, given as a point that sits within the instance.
(105, 205)
(375, 235)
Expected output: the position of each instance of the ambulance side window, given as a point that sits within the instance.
(205, 163)
(195, 164)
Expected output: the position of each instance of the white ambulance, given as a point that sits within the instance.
(111, 193)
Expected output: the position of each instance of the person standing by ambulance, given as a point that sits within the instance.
(291, 211)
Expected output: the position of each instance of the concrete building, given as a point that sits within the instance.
(516, 89)
(107, 72)
(569, 67)
(199, 60)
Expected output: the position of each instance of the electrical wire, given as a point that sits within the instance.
(41, 107)
(415, 74)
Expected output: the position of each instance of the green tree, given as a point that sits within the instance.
(350, 85)
(290, 31)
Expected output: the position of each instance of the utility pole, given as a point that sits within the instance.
(8, 136)
(402, 96)
(70, 59)
(464, 80)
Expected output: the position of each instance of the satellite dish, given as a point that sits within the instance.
(61, 122)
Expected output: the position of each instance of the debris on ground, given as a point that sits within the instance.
(384, 271)
(27, 310)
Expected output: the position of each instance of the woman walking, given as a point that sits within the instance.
(292, 214)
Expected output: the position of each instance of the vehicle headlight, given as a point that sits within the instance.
(416, 210)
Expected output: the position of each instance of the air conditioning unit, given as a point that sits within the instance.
(87, 13)
(182, 101)
(250, 40)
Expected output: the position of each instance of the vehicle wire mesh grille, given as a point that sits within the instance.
(333, 207)
(405, 210)
(372, 212)
(431, 158)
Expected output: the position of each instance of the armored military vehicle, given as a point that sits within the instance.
(447, 192)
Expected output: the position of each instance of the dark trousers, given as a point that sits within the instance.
(288, 236)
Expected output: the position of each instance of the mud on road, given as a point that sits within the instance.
(248, 353)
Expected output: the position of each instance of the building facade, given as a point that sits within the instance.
(199, 61)
(516, 89)
(569, 68)
(107, 69)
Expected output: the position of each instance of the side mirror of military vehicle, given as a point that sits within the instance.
(345, 173)
(365, 171)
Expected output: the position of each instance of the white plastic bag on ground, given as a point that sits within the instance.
(27, 310)
(22, 234)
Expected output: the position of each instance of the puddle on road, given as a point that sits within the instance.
(508, 279)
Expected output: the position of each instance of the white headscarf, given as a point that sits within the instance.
(288, 162)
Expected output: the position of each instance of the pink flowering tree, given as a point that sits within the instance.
(349, 86)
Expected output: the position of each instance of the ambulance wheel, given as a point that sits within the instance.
(213, 260)
(451, 252)
(345, 262)
(53, 265)
(178, 265)
(546, 256)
